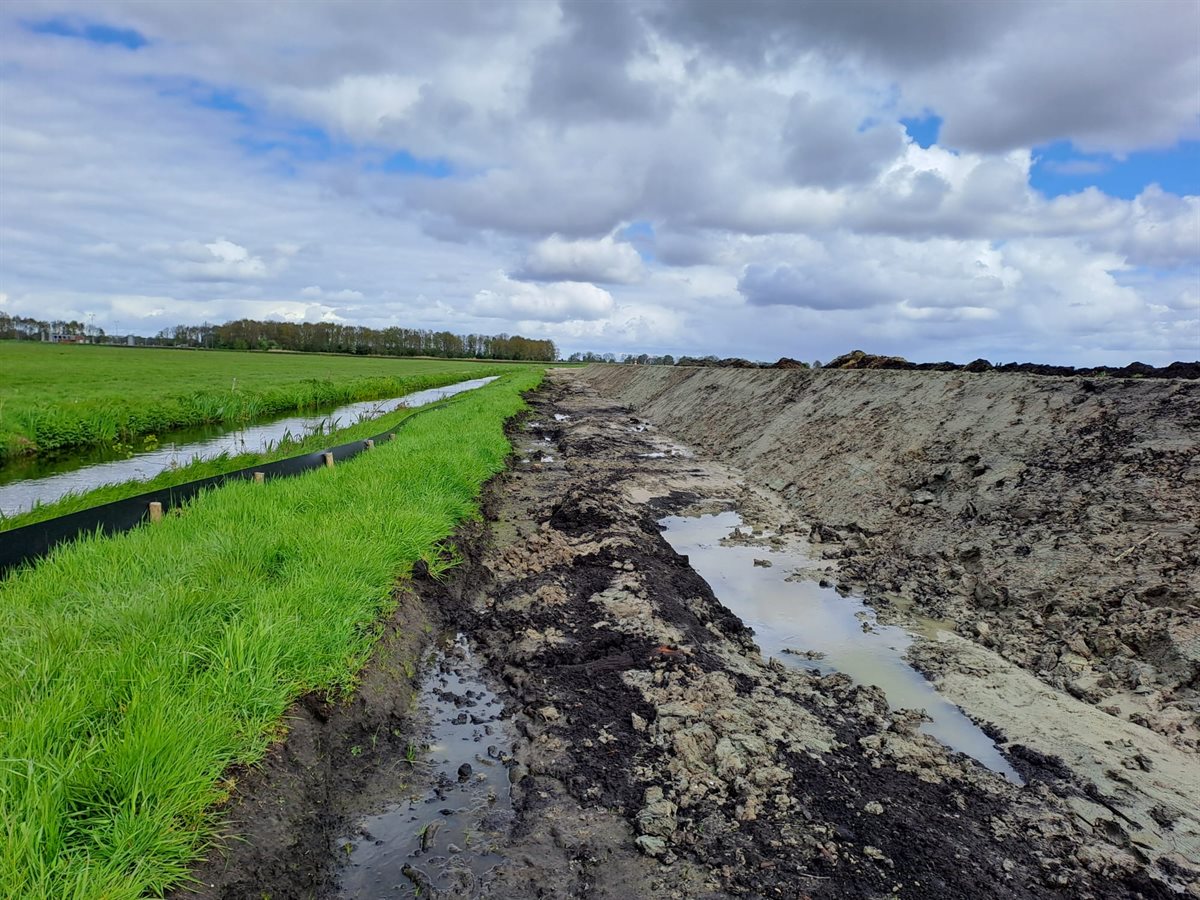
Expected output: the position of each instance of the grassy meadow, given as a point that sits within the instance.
(135, 670)
(61, 397)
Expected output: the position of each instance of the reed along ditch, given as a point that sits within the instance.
(27, 483)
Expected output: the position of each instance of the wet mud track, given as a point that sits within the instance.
(655, 752)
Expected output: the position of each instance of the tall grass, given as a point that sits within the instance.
(135, 670)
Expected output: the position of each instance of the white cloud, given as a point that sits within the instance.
(220, 260)
(555, 302)
(606, 261)
(758, 141)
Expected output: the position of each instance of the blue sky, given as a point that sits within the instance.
(1062, 169)
(91, 31)
(538, 170)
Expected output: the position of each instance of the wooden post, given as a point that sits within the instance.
(260, 477)
(328, 459)
(370, 445)
(156, 512)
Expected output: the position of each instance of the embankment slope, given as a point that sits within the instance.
(1053, 519)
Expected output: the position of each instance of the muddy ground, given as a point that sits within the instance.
(655, 752)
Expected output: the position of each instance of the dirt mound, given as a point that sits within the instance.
(786, 362)
(858, 359)
(1054, 519)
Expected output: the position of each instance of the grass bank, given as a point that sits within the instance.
(55, 398)
(135, 670)
(207, 468)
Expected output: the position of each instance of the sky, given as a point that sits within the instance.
(934, 179)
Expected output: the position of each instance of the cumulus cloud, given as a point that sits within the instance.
(787, 285)
(826, 146)
(220, 260)
(606, 261)
(757, 143)
(555, 302)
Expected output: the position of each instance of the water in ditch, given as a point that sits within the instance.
(803, 624)
(443, 836)
(26, 485)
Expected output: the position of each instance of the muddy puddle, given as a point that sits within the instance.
(25, 485)
(803, 624)
(443, 834)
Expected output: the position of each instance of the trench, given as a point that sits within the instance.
(803, 624)
(444, 833)
(25, 484)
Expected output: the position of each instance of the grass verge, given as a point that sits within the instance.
(56, 398)
(135, 670)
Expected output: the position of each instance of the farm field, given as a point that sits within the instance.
(58, 398)
(135, 670)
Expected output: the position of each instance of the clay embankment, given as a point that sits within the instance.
(1053, 519)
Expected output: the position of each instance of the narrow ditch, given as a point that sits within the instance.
(806, 625)
(25, 485)
(443, 835)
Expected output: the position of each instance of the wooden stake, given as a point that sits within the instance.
(328, 458)
(260, 477)
(156, 512)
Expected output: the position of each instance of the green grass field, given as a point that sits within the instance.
(206, 468)
(135, 670)
(56, 398)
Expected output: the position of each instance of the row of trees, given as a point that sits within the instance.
(322, 337)
(23, 328)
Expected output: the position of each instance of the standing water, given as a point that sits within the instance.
(803, 624)
(442, 837)
(20, 493)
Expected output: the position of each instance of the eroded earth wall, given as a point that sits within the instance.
(1053, 520)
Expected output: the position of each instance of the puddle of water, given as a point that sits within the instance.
(561, 417)
(21, 489)
(443, 837)
(805, 625)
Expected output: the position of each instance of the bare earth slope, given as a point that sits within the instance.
(1054, 519)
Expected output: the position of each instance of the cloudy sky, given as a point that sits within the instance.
(931, 178)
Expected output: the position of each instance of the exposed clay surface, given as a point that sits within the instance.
(1057, 521)
(657, 753)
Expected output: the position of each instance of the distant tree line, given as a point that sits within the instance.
(22, 328)
(316, 337)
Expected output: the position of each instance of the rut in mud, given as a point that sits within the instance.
(655, 752)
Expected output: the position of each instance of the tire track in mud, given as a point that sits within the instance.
(657, 754)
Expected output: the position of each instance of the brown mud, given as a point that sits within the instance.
(656, 753)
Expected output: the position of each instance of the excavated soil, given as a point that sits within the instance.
(656, 753)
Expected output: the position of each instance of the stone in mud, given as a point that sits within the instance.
(874, 807)
(657, 817)
(763, 563)
(652, 846)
